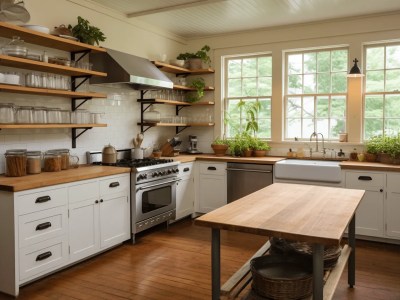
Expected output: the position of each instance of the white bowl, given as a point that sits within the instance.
(177, 62)
(38, 28)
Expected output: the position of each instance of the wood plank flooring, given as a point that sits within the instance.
(175, 264)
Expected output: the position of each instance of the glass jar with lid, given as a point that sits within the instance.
(64, 154)
(33, 162)
(53, 115)
(52, 162)
(24, 114)
(7, 113)
(16, 47)
(15, 163)
(39, 115)
(151, 115)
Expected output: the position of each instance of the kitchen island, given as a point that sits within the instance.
(314, 214)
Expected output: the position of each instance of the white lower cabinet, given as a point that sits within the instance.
(211, 189)
(378, 212)
(48, 228)
(185, 192)
(393, 205)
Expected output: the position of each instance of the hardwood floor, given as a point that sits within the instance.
(175, 264)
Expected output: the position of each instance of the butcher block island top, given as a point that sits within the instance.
(307, 213)
(16, 184)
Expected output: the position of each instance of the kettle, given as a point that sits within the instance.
(109, 155)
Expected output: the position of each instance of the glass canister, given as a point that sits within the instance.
(16, 47)
(52, 162)
(39, 115)
(7, 113)
(151, 115)
(24, 114)
(64, 154)
(53, 115)
(15, 163)
(33, 162)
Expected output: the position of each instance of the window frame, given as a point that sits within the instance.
(286, 94)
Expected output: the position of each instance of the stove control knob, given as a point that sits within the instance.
(169, 171)
(154, 174)
(144, 176)
(159, 173)
(176, 170)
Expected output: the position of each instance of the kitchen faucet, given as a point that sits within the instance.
(314, 134)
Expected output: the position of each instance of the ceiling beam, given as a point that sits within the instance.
(170, 8)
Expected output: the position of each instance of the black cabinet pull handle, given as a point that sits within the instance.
(365, 178)
(186, 170)
(381, 190)
(114, 184)
(97, 201)
(101, 200)
(44, 256)
(212, 168)
(42, 199)
(43, 226)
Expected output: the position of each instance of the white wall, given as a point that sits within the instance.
(351, 32)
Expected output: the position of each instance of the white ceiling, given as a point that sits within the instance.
(197, 18)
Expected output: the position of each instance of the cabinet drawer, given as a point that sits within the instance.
(114, 185)
(83, 191)
(43, 225)
(393, 182)
(212, 168)
(364, 180)
(185, 169)
(46, 199)
(42, 257)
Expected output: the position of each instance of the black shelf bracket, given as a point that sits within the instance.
(82, 53)
(75, 135)
(75, 85)
(178, 108)
(179, 129)
(75, 106)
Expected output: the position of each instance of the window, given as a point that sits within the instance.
(316, 93)
(248, 80)
(382, 90)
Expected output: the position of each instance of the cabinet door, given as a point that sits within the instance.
(114, 220)
(184, 197)
(370, 212)
(84, 237)
(393, 205)
(212, 192)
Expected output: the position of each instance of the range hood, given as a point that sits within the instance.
(127, 70)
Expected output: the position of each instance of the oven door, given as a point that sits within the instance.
(154, 198)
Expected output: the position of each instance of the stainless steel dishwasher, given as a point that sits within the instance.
(244, 179)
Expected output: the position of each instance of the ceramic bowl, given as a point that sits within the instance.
(177, 62)
(37, 28)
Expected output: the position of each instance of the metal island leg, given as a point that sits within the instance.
(318, 271)
(215, 264)
(352, 259)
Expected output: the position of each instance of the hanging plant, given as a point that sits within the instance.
(199, 84)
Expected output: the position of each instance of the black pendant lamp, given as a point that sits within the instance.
(355, 70)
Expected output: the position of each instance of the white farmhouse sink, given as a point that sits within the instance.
(309, 170)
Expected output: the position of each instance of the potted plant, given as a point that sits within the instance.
(261, 148)
(195, 59)
(87, 33)
(373, 148)
(219, 146)
(199, 84)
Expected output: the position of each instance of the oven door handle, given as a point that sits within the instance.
(158, 184)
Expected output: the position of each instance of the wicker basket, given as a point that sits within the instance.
(283, 246)
(281, 277)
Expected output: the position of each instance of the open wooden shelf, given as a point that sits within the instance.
(173, 102)
(47, 40)
(23, 63)
(44, 126)
(49, 92)
(179, 70)
(160, 124)
(188, 88)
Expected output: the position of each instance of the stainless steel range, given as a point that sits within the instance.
(153, 189)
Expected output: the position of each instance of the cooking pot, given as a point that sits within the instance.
(109, 155)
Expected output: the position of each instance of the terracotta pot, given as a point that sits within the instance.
(259, 153)
(370, 157)
(385, 158)
(195, 63)
(247, 153)
(219, 150)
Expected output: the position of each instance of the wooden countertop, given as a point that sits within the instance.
(16, 184)
(266, 160)
(307, 213)
(374, 166)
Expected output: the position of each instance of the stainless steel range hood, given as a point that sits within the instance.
(127, 70)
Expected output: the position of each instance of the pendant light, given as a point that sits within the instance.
(355, 70)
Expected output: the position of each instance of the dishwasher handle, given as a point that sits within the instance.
(248, 170)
